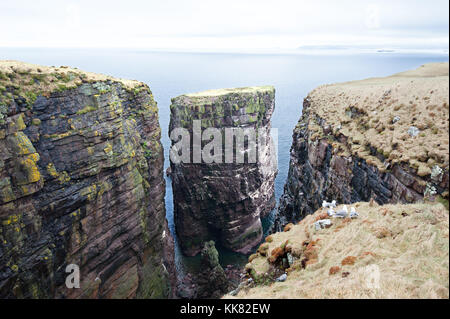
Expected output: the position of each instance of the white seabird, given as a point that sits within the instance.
(282, 278)
(325, 204)
(330, 212)
(341, 213)
(353, 213)
(323, 223)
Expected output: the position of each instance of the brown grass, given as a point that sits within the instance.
(349, 260)
(10, 66)
(413, 262)
(374, 104)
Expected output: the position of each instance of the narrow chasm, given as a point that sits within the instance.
(220, 205)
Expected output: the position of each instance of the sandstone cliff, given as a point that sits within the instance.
(389, 251)
(381, 138)
(81, 182)
(220, 201)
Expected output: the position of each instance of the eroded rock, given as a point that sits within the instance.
(224, 201)
(212, 281)
(365, 156)
(81, 182)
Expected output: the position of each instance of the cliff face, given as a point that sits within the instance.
(224, 201)
(384, 138)
(81, 182)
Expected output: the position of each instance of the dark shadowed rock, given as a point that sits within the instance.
(212, 281)
(224, 202)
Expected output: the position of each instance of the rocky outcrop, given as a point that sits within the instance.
(224, 201)
(355, 142)
(81, 182)
(212, 281)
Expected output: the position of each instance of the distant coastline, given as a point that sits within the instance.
(320, 50)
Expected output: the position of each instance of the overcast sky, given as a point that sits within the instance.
(226, 24)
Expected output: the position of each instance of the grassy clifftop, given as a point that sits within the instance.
(390, 251)
(403, 118)
(28, 81)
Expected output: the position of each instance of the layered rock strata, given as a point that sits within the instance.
(224, 201)
(81, 182)
(381, 138)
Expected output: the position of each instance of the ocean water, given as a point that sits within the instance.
(172, 74)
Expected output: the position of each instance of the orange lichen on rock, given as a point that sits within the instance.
(349, 260)
(321, 216)
(288, 227)
(334, 270)
(311, 244)
(269, 239)
(367, 253)
(275, 254)
(311, 253)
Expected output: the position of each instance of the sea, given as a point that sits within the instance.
(170, 74)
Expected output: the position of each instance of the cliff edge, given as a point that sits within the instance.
(381, 138)
(81, 183)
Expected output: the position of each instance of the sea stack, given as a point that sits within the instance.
(81, 183)
(384, 139)
(224, 201)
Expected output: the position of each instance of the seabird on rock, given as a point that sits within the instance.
(330, 212)
(282, 278)
(323, 223)
(341, 213)
(331, 205)
(353, 213)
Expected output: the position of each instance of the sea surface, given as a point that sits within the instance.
(170, 74)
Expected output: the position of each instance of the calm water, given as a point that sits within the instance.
(172, 74)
